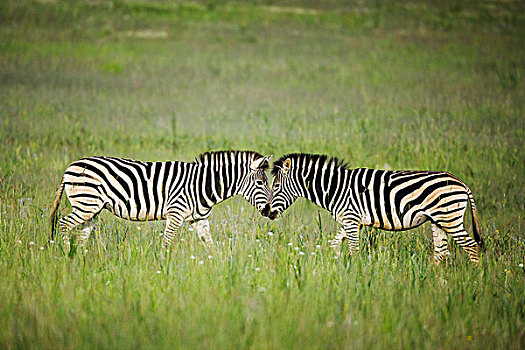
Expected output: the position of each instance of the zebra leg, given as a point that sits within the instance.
(464, 240)
(67, 223)
(203, 231)
(352, 234)
(338, 240)
(87, 228)
(173, 222)
(440, 244)
(76, 218)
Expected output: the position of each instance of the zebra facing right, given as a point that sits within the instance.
(172, 191)
(389, 200)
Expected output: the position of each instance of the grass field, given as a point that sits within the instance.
(398, 85)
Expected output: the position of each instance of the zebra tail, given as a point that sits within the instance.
(53, 217)
(475, 223)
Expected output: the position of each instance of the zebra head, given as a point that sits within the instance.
(283, 193)
(254, 187)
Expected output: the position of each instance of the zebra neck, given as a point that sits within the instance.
(221, 182)
(319, 185)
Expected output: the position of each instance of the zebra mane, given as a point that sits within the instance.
(278, 164)
(201, 158)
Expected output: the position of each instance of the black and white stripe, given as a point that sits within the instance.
(389, 200)
(173, 191)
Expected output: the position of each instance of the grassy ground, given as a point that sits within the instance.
(400, 85)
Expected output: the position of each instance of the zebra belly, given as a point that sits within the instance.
(391, 220)
(408, 224)
(381, 219)
(395, 225)
(121, 210)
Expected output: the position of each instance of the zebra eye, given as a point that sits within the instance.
(259, 182)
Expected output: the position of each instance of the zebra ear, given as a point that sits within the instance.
(266, 163)
(286, 165)
(261, 163)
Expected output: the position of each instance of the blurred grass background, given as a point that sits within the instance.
(382, 84)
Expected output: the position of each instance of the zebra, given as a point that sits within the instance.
(173, 191)
(388, 200)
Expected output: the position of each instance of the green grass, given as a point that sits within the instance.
(400, 85)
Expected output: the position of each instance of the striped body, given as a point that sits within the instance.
(389, 200)
(175, 191)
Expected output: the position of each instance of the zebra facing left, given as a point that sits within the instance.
(389, 200)
(173, 191)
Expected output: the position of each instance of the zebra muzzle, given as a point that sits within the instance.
(266, 210)
(274, 214)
